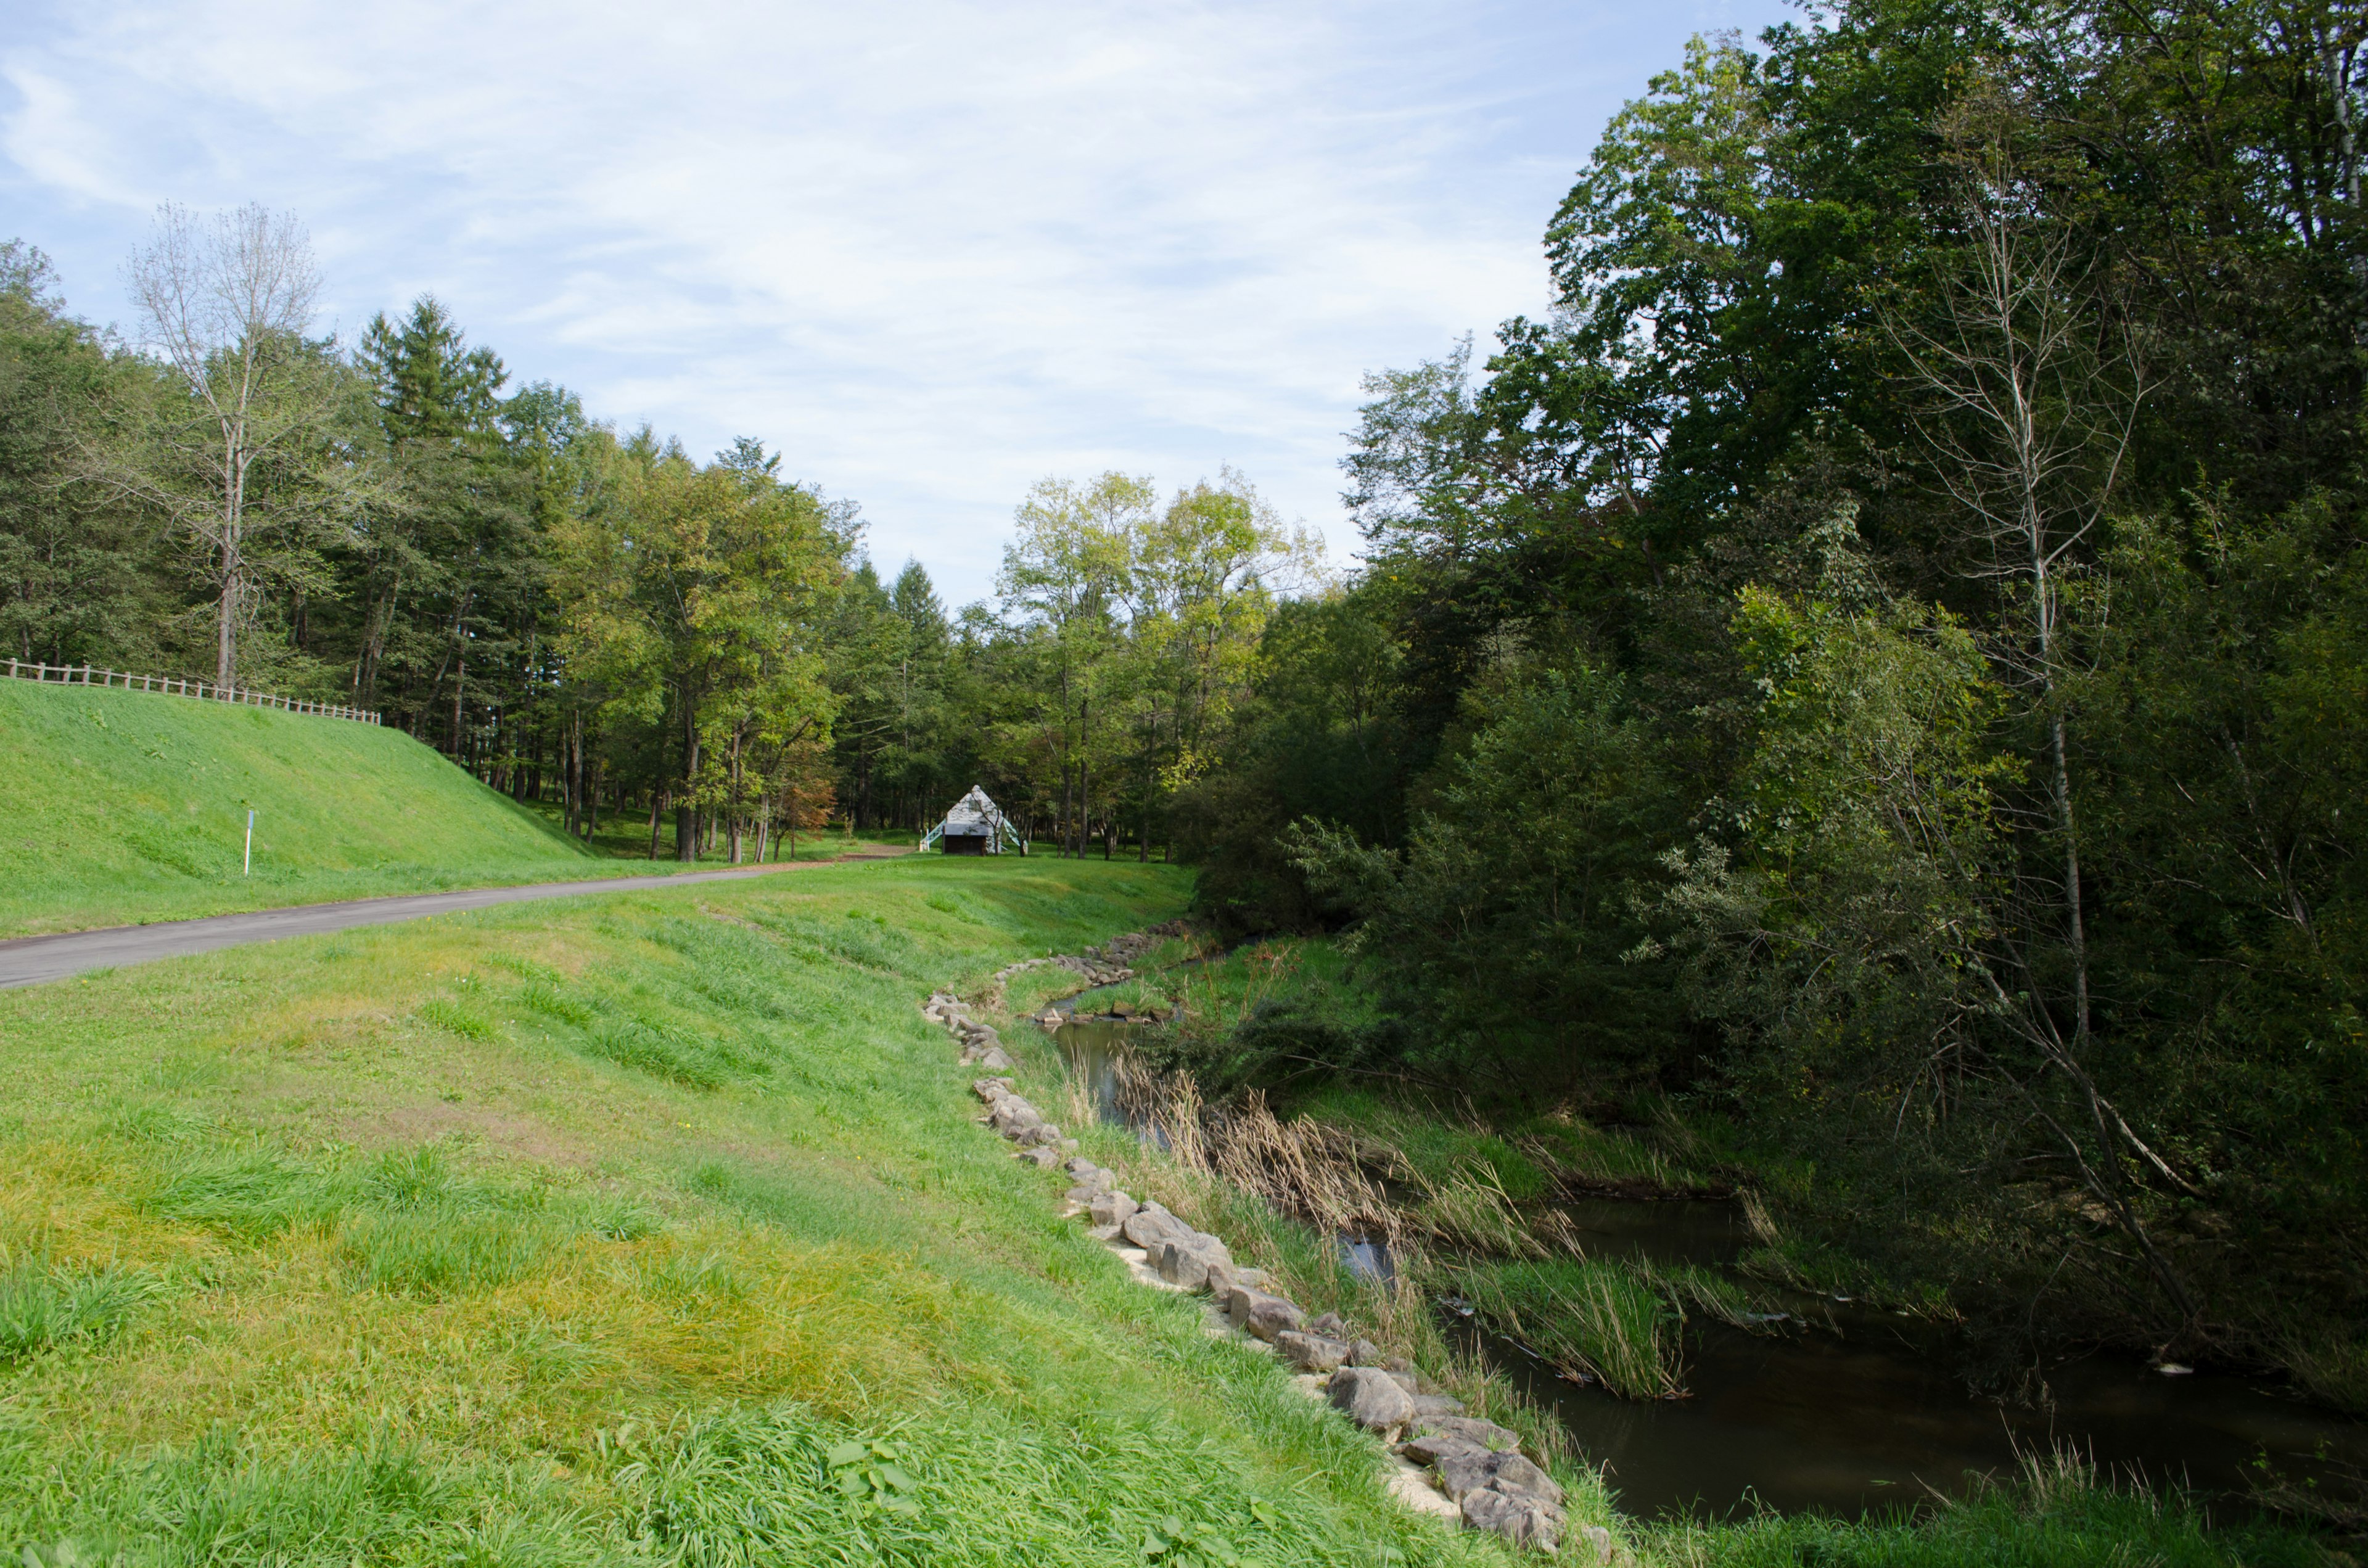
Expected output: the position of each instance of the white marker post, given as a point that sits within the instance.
(248, 870)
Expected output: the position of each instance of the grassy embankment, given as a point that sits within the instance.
(1466, 1205)
(125, 807)
(650, 1223)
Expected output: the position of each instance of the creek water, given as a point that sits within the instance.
(1863, 1412)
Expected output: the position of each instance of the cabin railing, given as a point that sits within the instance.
(178, 686)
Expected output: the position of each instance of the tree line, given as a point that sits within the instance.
(585, 617)
(1877, 677)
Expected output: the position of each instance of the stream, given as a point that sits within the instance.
(1866, 1413)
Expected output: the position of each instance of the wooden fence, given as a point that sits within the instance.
(175, 686)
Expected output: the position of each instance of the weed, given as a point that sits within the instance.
(44, 1306)
(1596, 1321)
(449, 1014)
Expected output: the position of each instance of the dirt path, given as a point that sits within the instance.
(30, 960)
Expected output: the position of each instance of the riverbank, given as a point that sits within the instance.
(1599, 1274)
(651, 1227)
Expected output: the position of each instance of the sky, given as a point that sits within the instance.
(930, 253)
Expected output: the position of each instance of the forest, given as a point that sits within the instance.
(1873, 677)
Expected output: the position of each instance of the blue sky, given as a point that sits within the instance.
(932, 253)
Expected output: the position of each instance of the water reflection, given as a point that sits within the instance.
(1368, 1259)
(1866, 1423)
(1091, 1048)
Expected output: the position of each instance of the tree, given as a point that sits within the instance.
(78, 570)
(247, 447)
(695, 595)
(1064, 578)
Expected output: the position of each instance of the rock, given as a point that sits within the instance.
(1081, 1195)
(1225, 1278)
(1042, 1158)
(1151, 1228)
(1012, 1115)
(1599, 1539)
(1046, 1135)
(990, 1089)
(1069, 1145)
(1525, 1521)
(1506, 1470)
(1372, 1398)
(1364, 1352)
(1396, 1363)
(1081, 1168)
(1311, 1352)
(1112, 1209)
(1406, 1381)
(1329, 1324)
(1482, 1435)
(999, 1059)
(1185, 1260)
(1437, 1404)
(1263, 1316)
(1122, 1009)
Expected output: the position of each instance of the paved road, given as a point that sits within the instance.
(29, 961)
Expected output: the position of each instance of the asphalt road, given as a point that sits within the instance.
(30, 960)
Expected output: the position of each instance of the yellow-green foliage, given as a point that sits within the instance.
(126, 806)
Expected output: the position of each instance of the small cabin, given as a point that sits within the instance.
(975, 825)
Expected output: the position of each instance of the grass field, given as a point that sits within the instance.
(650, 1227)
(645, 1227)
(122, 807)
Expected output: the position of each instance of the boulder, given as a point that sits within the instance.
(1224, 1277)
(1329, 1324)
(1112, 1209)
(1081, 1168)
(1185, 1260)
(1524, 1521)
(1311, 1352)
(1484, 1436)
(998, 1058)
(1042, 1158)
(1364, 1352)
(1433, 1404)
(1263, 1316)
(1371, 1399)
(1012, 1114)
(1044, 1133)
(1151, 1228)
(990, 1089)
(1599, 1540)
(1506, 1470)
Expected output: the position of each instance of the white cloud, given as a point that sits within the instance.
(934, 251)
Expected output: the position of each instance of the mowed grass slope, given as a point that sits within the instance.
(119, 807)
(645, 1227)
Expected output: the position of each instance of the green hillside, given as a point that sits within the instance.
(656, 1228)
(121, 807)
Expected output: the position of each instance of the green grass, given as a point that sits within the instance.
(586, 1232)
(654, 1228)
(2058, 1514)
(126, 807)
